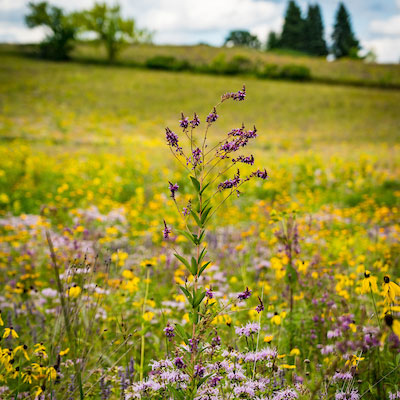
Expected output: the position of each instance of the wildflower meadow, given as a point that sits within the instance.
(168, 235)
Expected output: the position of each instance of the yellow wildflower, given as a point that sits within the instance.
(369, 283)
(148, 316)
(64, 352)
(390, 290)
(294, 352)
(74, 291)
(288, 366)
(22, 349)
(276, 319)
(353, 360)
(268, 339)
(8, 332)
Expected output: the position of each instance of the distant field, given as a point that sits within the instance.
(89, 111)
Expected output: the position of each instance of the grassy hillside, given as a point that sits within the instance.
(346, 71)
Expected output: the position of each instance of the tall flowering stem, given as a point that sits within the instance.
(210, 189)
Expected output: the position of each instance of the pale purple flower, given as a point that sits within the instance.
(249, 329)
(353, 395)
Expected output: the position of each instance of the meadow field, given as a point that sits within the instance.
(298, 298)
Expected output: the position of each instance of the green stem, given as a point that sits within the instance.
(142, 326)
(64, 309)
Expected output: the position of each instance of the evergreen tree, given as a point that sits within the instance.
(293, 28)
(314, 32)
(273, 41)
(344, 41)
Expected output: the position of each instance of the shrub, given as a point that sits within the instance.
(167, 63)
(239, 64)
(269, 71)
(295, 72)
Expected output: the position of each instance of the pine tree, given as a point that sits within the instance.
(344, 41)
(293, 28)
(314, 32)
(273, 41)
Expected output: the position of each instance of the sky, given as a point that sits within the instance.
(375, 22)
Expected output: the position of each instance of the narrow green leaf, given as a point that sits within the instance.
(188, 235)
(203, 268)
(184, 262)
(178, 395)
(198, 298)
(181, 333)
(194, 266)
(196, 218)
(201, 256)
(187, 294)
(196, 183)
(202, 380)
(205, 214)
(204, 188)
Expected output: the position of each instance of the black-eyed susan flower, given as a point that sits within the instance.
(354, 360)
(394, 324)
(10, 332)
(369, 283)
(390, 290)
(22, 349)
(74, 291)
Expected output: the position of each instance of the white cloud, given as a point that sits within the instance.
(390, 26)
(10, 33)
(173, 16)
(387, 49)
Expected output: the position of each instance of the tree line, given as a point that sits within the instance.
(102, 20)
(306, 34)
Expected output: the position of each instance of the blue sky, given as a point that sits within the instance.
(375, 22)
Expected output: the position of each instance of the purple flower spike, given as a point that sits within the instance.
(166, 231)
(184, 122)
(230, 183)
(209, 293)
(244, 295)
(172, 139)
(173, 188)
(260, 307)
(212, 117)
(240, 95)
(179, 363)
(195, 121)
(246, 160)
(260, 174)
(169, 332)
